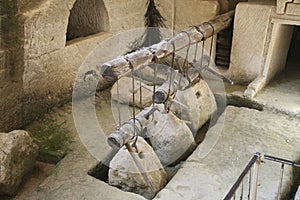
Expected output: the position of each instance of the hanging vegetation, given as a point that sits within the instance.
(153, 21)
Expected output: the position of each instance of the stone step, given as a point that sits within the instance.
(228, 146)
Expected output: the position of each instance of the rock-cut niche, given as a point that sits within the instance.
(87, 17)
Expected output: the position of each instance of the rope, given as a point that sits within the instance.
(133, 107)
(212, 39)
(155, 60)
(202, 50)
(171, 75)
(187, 54)
(118, 104)
(141, 97)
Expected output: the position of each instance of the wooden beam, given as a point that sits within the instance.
(178, 82)
(131, 128)
(193, 75)
(114, 69)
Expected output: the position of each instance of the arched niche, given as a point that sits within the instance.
(87, 17)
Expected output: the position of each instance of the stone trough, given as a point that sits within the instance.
(139, 167)
(210, 174)
(207, 174)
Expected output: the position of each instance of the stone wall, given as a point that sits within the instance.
(47, 65)
(290, 7)
(11, 66)
(187, 13)
(261, 40)
(38, 65)
(251, 27)
(87, 18)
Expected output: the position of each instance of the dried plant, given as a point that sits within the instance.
(153, 21)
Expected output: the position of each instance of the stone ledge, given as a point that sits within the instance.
(233, 143)
(293, 9)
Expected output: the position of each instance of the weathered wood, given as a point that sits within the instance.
(114, 69)
(178, 82)
(131, 129)
(166, 90)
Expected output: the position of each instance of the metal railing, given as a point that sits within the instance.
(252, 182)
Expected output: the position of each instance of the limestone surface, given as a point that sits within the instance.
(217, 162)
(125, 173)
(17, 158)
(170, 137)
(188, 12)
(275, 60)
(200, 103)
(70, 178)
(248, 43)
(293, 9)
(281, 6)
(41, 66)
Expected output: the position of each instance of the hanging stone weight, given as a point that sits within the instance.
(131, 128)
(126, 170)
(201, 103)
(171, 138)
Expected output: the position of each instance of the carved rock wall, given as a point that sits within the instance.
(249, 40)
(38, 67)
(11, 66)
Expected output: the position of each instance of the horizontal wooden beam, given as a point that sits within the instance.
(116, 68)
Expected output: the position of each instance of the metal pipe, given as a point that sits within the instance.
(256, 173)
(281, 160)
(257, 159)
(241, 177)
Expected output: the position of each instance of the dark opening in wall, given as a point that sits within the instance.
(292, 61)
(223, 47)
(294, 50)
(224, 40)
(87, 17)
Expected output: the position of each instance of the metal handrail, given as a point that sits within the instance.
(238, 182)
(258, 159)
(281, 160)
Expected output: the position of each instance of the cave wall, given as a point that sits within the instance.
(38, 65)
(11, 66)
(87, 17)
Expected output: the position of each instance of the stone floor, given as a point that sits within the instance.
(70, 179)
(283, 92)
(217, 162)
(270, 124)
